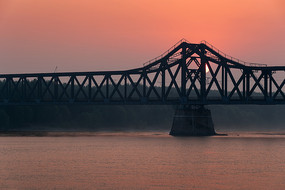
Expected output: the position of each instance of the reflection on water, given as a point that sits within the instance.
(143, 161)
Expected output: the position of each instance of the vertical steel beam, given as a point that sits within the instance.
(144, 83)
(40, 91)
(244, 86)
(8, 81)
(183, 72)
(226, 81)
(270, 84)
(203, 74)
(107, 86)
(89, 88)
(55, 95)
(126, 85)
(265, 77)
(72, 87)
(247, 84)
(162, 67)
(223, 81)
(23, 95)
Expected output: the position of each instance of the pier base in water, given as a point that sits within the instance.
(190, 121)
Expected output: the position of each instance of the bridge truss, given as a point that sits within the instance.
(187, 74)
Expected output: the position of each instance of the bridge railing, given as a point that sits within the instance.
(166, 52)
(232, 58)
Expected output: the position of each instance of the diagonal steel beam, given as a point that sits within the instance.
(116, 87)
(152, 85)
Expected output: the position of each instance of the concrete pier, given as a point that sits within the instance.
(192, 121)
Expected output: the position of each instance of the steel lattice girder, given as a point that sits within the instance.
(193, 74)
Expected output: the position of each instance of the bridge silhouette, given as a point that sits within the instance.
(186, 74)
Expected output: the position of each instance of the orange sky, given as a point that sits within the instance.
(85, 35)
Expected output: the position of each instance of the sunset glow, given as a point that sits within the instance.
(207, 69)
(72, 35)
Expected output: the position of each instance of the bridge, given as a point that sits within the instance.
(186, 74)
(189, 75)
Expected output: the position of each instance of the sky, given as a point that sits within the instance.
(91, 35)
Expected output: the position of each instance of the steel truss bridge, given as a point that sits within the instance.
(186, 74)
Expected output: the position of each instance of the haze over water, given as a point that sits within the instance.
(143, 161)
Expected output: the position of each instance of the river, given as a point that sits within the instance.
(143, 160)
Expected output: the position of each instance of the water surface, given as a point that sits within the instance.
(143, 161)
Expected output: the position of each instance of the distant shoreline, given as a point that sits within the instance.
(129, 133)
(76, 133)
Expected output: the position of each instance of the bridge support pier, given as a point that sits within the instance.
(192, 121)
